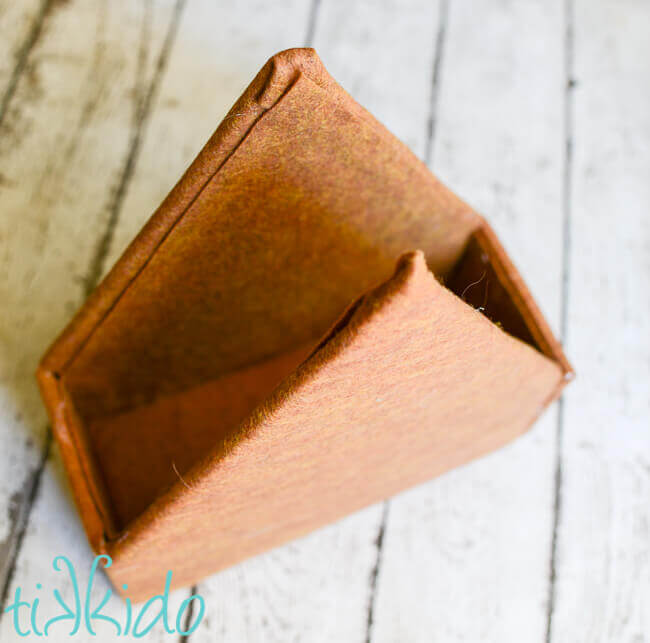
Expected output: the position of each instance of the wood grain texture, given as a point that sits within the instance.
(65, 145)
(603, 564)
(454, 551)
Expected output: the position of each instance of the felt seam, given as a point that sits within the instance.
(64, 424)
(90, 473)
(51, 391)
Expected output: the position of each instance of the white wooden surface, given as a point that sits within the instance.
(535, 111)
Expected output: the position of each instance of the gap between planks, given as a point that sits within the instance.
(569, 85)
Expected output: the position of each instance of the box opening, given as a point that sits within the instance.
(141, 451)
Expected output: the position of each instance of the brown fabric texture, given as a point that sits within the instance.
(199, 391)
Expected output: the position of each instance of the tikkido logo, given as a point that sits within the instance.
(78, 614)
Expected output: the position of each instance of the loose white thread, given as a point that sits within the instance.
(180, 477)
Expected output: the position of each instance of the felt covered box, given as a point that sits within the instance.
(309, 323)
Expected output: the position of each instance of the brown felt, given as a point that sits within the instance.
(206, 387)
(413, 385)
(175, 431)
(293, 227)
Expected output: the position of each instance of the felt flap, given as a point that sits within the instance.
(299, 202)
(410, 383)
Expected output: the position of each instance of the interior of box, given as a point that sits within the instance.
(141, 451)
(297, 224)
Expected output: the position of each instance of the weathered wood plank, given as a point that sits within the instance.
(64, 146)
(466, 556)
(602, 562)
